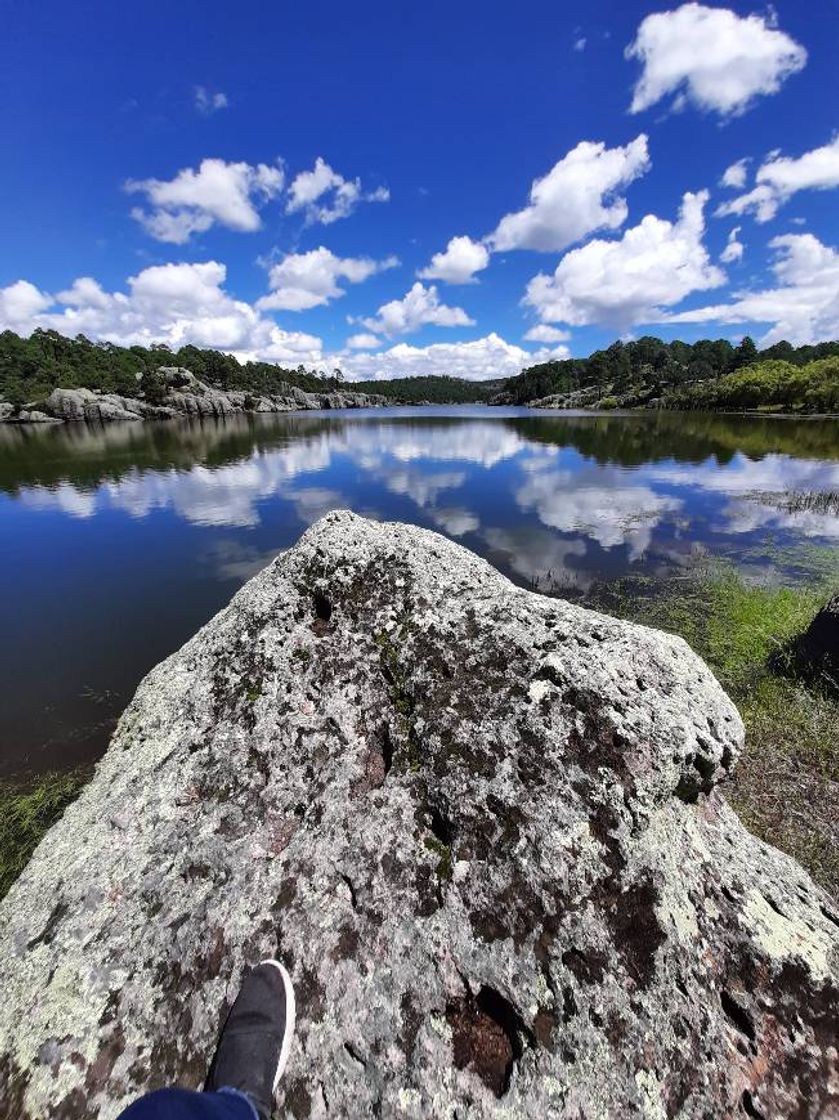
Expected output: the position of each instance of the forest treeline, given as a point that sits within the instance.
(704, 374)
(709, 374)
(30, 368)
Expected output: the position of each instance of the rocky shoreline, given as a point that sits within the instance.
(481, 826)
(184, 395)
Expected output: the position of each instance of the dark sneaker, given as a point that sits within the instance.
(256, 1038)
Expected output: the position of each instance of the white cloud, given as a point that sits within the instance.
(476, 360)
(711, 57)
(580, 43)
(84, 292)
(325, 196)
(803, 308)
(780, 177)
(734, 249)
(19, 304)
(735, 175)
(227, 193)
(543, 333)
(418, 307)
(207, 102)
(304, 280)
(173, 303)
(181, 304)
(619, 283)
(462, 258)
(576, 197)
(762, 200)
(363, 342)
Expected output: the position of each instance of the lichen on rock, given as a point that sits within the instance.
(480, 825)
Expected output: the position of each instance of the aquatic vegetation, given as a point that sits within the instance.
(28, 808)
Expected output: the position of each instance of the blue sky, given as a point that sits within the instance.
(276, 180)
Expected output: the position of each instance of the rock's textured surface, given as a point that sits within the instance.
(186, 396)
(480, 827)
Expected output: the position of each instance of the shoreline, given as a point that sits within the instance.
(100, 409)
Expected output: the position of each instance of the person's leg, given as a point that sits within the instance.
(249, 1061)
(182, 1104)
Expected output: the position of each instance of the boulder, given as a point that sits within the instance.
(481, 827)
(69, 404)
(87, 405)
(32, 415)
(6, 411)
(816, 652)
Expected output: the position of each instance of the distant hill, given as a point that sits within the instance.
(435, 389)
(648, 370)
(30, 368)
(640, 373)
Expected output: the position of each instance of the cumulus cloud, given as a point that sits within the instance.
(580, 43)
(458, 264)
(735, 175)
(779, 178)
(172, 303)
(576, 197)
(619, 283)
(712, 58)
(475, 360)
(734, 249)
(324, 196)
(181, 304)
(304, 280)
(418, 307)
(543, 333)
(363, 342)
(20, 303)
(761, 200)
(803, 307)
(229, 194)
(207, 102)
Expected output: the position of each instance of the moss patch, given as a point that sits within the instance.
(28, 808)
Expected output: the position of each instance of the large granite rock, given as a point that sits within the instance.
(84, 404)
(481, 828)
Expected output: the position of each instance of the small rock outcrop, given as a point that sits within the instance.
(185, 395)
(84, 404)
(480, 826)
(815, 654)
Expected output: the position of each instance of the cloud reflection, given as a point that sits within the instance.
(604, 506)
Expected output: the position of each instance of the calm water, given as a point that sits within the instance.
(119, 542)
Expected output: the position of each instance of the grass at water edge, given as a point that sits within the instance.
(785, 787)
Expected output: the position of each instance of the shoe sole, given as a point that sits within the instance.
(290, 1016)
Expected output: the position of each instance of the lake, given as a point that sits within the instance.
(119, 542)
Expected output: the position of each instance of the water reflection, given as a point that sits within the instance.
(122, 540)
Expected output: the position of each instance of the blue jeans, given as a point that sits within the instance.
(181, 1104)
